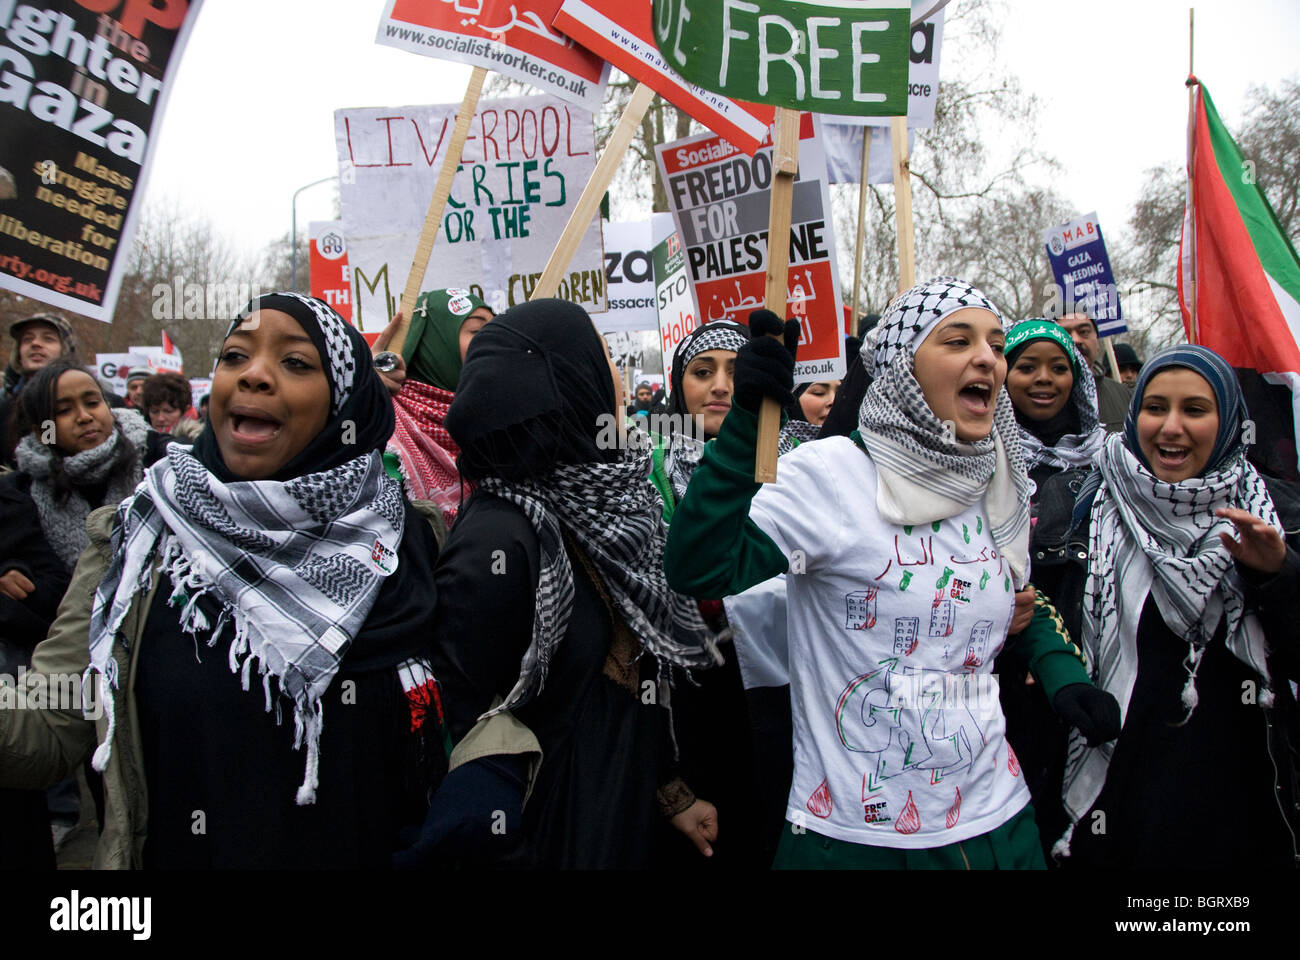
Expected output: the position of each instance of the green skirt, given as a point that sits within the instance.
(1012, 846)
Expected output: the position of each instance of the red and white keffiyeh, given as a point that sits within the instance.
(425, 448)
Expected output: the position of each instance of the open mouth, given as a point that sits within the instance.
(1173, 456)
(977, 397)
(253, 428)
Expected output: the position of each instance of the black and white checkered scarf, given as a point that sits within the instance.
(926, 473)
(616, 518)
(686, 446)
(1149, 537)
(296, 564)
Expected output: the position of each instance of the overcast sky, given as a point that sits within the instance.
(251, 116)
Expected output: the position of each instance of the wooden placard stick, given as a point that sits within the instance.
(441, 191)
(903, 204)
(589, 202)
(785, 165)
(862, 216)
(1109, 343)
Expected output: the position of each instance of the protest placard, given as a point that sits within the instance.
(524, 161)
(674, 301)
(112, 368)
(330, 275)
(720, 201)
(621, 33)
(1078, 256)
(843, 147)
(830, 57)
(199, 388)
(925, 39)
(629, 276)
(84, 92)
(513, 37)
(160, 359)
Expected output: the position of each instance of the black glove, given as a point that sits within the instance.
(1094, 712)
(765, 368)
(476, 813)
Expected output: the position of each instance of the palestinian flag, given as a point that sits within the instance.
(1244, 285)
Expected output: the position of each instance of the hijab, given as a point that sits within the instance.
(926, 474)
(684, 447)
(420, 440)
(1074, 436)
(296, 561)
(432, 346)
(1150, 537)
(528, 416)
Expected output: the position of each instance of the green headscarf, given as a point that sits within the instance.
(432, 346)
(1036, 328)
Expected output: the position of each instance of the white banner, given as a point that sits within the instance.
(843, 145)
(526, 160)
(112, 368)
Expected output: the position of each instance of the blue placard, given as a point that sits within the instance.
(1077, 253)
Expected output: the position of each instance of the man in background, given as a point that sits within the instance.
(135, 379)
(38, 341)
(1113, 398)
(1129, 365)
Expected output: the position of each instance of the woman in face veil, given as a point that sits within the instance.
(555, 613)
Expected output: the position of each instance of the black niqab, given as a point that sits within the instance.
(535, 391)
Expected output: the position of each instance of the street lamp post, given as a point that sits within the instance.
(293, 232)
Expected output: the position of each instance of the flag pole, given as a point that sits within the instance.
(1193, 332)
(862, 216)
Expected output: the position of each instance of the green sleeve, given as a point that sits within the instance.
(1053, 658)
(714, 549)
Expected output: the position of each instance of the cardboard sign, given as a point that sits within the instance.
(331, 277)
(678, 317)
(828, 57)
(525, 162)
(621, 33)
(198, 390)
(1082, 270)
(112, 368)
(922, 73)
(81, 94)
(720, 199)
(513, 37)
(159, 360)
(629, 274)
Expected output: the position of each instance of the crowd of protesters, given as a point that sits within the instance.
(412, 608)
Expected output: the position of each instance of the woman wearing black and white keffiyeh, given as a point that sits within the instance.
(276, 554)
(1185, 609)
(554, 611)
(905, 546)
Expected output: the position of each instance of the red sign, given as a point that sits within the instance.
(720, 200)
(621, 32)
(331, 277)
(513, 37)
